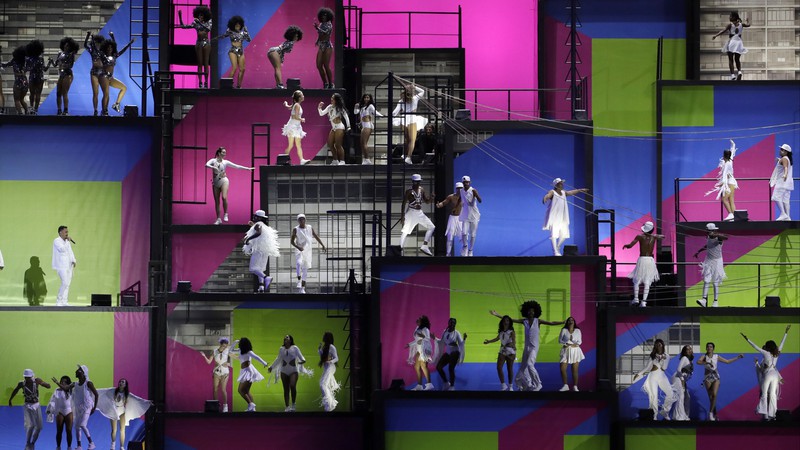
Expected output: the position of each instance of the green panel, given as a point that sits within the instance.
(660, 439)
(478, 289)
(438, 440)
(724, 333)
(580, 442)
(687, 106)
(741, 288)
(92, 212)
(266, 328)
(52, 343)
(623, 83)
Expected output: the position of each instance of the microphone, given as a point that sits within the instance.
(70, 239)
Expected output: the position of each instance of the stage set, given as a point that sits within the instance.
(253, 299)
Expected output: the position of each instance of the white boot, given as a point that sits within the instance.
(564, 388)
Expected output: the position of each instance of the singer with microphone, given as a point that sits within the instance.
(63, 263)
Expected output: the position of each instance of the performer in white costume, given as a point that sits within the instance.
(247, 374)
(293, 130)
(220, 183)
(289, 365)
(328, 359)
(770, 377)
(120, 406)
(260, 242)
(527, 377)
(421, 352)
(340, 125)
(222, 369)
(782, 180)
(556, 217)
(32, 412)
(454, 219)
(60, 410)
(710, 361)
(645, 271)
(679, 392)
(366, 118)
(712, 267)
(508, 351)
(470, 215)
(734, 48)
(405, 118)
(84, 402)
(64, 263)
(301, 240)
(726, 183)
(413, 199)
(657, 379)
(571, 353)
(451, 352)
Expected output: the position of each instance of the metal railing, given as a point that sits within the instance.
(763, 184)
(354, 30)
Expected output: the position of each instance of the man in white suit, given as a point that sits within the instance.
(63, 263)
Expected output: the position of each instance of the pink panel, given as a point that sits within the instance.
(135, 254)
(185, 81)
(189, 379)
(196, 256)
(623, 237)
(547, 425)
(132, 350)
(556, 70)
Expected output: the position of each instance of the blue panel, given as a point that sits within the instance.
(72, 153)
(598, 425)
(172, 444)
(643, 331)
(620, 19)
(391, 275)
(472, 415)
(255, 15)
(512, 171)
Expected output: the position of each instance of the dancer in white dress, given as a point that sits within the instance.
(726, 183)
(451, 352)
(421, 352)
(328, 359)
(32, 412)
(770, 377)
(508, 351)
(289, 365)
(84, 403)
(454, 219)
(527, 378)
(366, 118)
(782, 180)
(571, 353)
(679, 392)
(657, 379)
(60, 409)
(247, 374)
(646, 270)
(734, 48)
(222, 369)
(556, 218)
(340, 124)
(260, 242)
(405, 118)
(293, 130)
(64, 263)
(220, 183)
(712, 268)
(710, 361)
(413, 199)
(301, 240)
(470, 215)
(120, 406)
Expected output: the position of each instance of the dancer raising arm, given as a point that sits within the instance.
(657, 379)
(32, 412)
(260, 242)
(60, 406)
(405, 118)
(556, 218)
(221, 359)
(734, 48)
(712, 268)
(109, 56)
(220, 183)
(17, 63)
(710, 361)
(770, 377)
(248, 374)
(202, 47)
(645, 271)
(238, 34)
(508, 351)
(119, 406)
(324, 47)
(726, 183)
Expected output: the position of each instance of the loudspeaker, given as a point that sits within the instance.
(212, 406)
(226, 83)
(101, 299)
(772, 302)
(184, 286)
(783, 415)
(284, 160)
(570, 250)
(135, 445)
(394, 250)
(293, 84)
(127, 300)
(646, 415)
(740, 215)
(131, 111)
(463, 114)
(664, 260)
(397, 385)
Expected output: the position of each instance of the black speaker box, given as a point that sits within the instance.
(212, 406)
(135, 445)
(664, 261)
(184, 286)
(740, 215)
(772, 302)
(293, 84)
(463, 114)
(783, 415)
(284, 160)
(131, 111)
(127, 300)
(101, 299)
(646, 415)
(226, 83)
(397, 385)
(570, 250)
(394, 250)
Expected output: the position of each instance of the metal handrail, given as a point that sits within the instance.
(677, 185)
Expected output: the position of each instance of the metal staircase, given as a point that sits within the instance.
(143, 61)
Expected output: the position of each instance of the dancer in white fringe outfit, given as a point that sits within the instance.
(247, 374)
(527, 378)
(405, 118)
(260, 242)
(289, 365)
(782, 180)
(451, 352)
(64, 263)
(293, 130)
(712, 268)
(508, 351)
(421, 352)
(679, 379)
(657, 379)
(645, 271)
(328, 360)
(726, 183)
(711, 380)
(84, 403)
(413, 216)
(120, 406)
(222, 369)
(454, 219)
(32, 412)
(571, 353)
(301, 240)
(470, 215)
(220, 183)
(734, 48)
(770, 377)
(556, 218)
(60, 409)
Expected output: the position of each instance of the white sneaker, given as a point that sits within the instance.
(451, 388)
(91, 446)
(429, 387)
(733, 76)
(287, 409)
(728, 218)
(537, 389)
(224, 408)
(302, 290)
(260, 288)
(417, 388)
(79, 447)
(643, 304)
(299, 284)
(664, 414)
(293, 407)
(564, 388)
(510, 388)
(334, 162)
(575, 388)
(503, 387)
(558, 254)
(446, 387)
(702, 302)
(427, 251)
(251, 407)
(464, 251)
(225, 217)
(342, 163)
(714, 304)
(218, 221)
(366, 162)
(711, 416)
(470, 253)
(635, 302)
(303, 162)
(408, 161)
